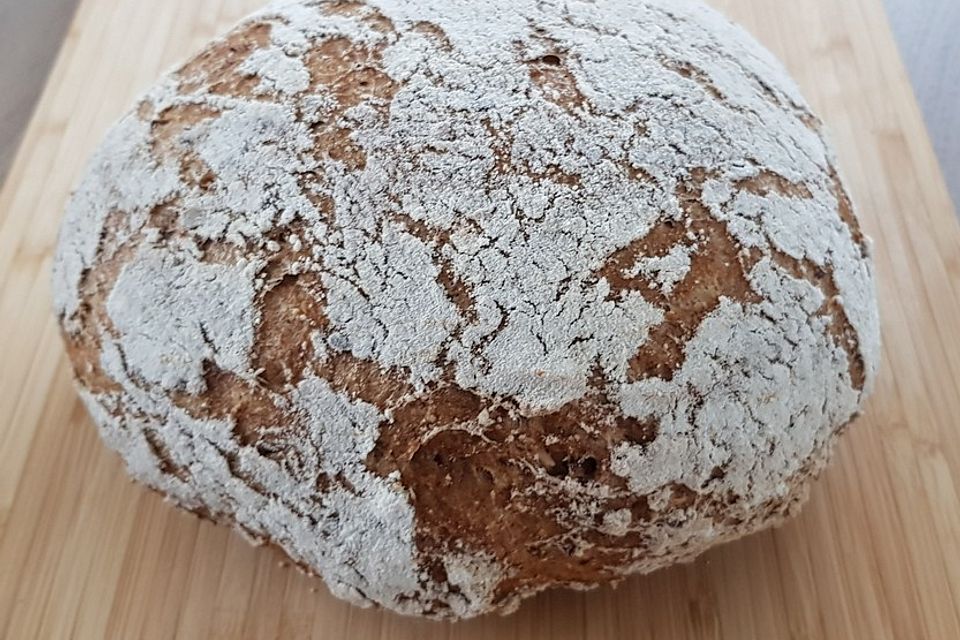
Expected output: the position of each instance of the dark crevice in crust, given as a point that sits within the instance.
(841, 330)
(767, 182)
(217, 69)
(691, 72)
(167, 465)
(252, 407)
(352, 73)
(845, 210)
(718, 269)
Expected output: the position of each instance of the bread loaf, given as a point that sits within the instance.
(458, 300)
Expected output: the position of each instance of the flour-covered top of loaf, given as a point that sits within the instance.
(516, 197)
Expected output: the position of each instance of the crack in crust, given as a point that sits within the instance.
(692, 72)
(84, 347)
(723, 272)
(841, 330)
(720, 272)
(350, 72)
(367, 14)
(217, 69)
(253, 409)
(846, 212)
(434, 31)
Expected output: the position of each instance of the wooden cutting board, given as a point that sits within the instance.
(876, 554)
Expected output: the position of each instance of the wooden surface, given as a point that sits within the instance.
(876, 554)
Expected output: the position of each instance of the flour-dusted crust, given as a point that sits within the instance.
(456, 300)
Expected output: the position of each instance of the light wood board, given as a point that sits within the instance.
(876, 553)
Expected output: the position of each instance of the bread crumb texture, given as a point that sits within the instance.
(457, 300)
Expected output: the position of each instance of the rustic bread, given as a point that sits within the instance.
(457, 300)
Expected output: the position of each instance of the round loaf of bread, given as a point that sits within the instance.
(457, 300)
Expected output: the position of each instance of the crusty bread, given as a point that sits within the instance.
(457, 300)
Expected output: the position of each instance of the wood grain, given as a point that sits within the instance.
(876, 554)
